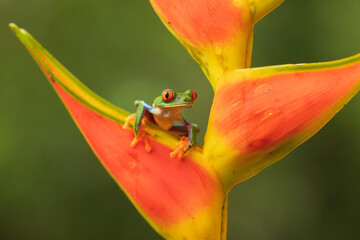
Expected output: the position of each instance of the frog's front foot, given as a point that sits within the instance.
(182, 147)
(129, 119)
(141, 134)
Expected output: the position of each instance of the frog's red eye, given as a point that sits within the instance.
(194, 95)
(167, 95)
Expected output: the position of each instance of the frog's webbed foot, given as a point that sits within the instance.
(141, 134)
(181, 148)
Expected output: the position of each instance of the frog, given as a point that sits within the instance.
(165, 110)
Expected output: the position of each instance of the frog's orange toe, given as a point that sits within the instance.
(179, 150)
(141, 135)
(147, 145)
(134, 142)
(128, 120)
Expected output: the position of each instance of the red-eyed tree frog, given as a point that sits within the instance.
(165, 110)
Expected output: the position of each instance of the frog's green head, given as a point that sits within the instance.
(169, 98)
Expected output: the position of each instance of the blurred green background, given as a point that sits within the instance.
(53, 187)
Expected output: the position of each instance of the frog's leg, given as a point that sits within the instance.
(193, 129)
(139, 123)
(186, 142)
(140, 110)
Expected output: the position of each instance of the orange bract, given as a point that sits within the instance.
(272, 110)
(215, 32)
(169, 193)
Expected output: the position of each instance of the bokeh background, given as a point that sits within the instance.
(53, 187)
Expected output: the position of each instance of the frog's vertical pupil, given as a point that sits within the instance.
(167, 95)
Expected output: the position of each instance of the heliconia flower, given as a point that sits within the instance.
(257, 117)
